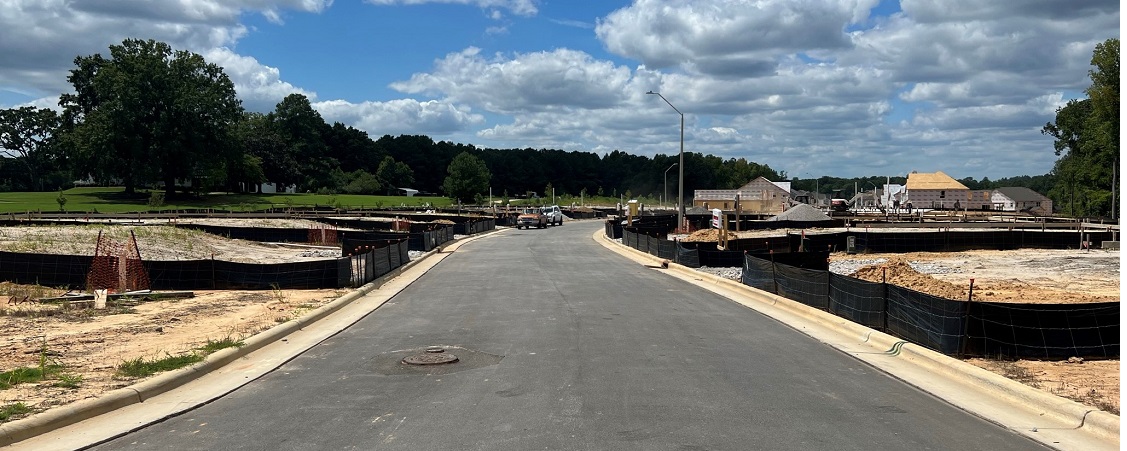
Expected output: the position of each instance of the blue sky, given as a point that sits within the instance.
(810, 87)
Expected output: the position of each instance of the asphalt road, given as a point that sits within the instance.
(564, 345)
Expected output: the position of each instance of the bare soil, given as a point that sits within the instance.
(90, 344)
(1034, 276)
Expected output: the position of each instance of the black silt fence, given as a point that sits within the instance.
(833, 242)
(662, 248)
(785, 224)
(687, 256)
(857, 300)
(808, 286)
(720, 259)
(376, 262)
(806, 260)
(759, 274)
(1038, 331)
(45, 269)
(224, 275)
(260, 234)
(764, 244)
(929, 321)
(613, 229)
(875, 241)
(476, 226)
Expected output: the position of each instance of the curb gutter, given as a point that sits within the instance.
(52, 419)
(1100, 425)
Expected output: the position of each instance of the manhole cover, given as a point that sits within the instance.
(430, 358)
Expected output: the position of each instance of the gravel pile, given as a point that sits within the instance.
(803, 213)
(848, 267)
(320, 253)
(727, 273)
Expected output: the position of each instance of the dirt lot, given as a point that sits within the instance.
(1020, 276)
(90, 345)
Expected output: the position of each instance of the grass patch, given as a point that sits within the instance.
(114, 200)
(216, 345)
(25, 375)
(140, 367)
(11, 410)
(71, 381)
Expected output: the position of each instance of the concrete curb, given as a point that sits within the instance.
(1085, 418)
(23, 429)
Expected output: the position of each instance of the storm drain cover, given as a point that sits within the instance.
(433, 356)
(432, 360)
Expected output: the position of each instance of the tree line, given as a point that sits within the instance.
(148, 116)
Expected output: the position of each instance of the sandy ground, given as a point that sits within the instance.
(1036, 276)
(90, 345)
(1041, 276)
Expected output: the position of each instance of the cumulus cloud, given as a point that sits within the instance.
(260, 87)
(42, 37)
(816, 85)
(727, 38)
(519, 7)
(523, 83)
(402, 116)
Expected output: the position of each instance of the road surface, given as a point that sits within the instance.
(564, 345)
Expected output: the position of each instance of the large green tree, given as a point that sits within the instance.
(395, 174)
(149, 113)
(303, 131)
(1086, 136)
(29, 132)
(468, 176)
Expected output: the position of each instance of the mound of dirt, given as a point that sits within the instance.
(706, 236)
(899, 272)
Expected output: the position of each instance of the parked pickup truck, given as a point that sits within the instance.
(532, 217)
(553, 214)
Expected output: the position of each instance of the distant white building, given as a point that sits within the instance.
(1021, 199)
(270, 187)
(890, 196)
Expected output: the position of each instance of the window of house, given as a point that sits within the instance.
(942, 194)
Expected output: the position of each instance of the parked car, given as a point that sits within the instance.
(553, 214)
(532, 217)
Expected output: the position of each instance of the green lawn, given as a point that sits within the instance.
(114, 200)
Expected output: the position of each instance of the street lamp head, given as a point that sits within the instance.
(650, 92)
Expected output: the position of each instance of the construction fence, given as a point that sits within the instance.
(952, 327)
(368, 260)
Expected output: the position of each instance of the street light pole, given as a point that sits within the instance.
(665, 191)
(680, 166)
(817, 202)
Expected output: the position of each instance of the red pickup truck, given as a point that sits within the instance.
(532, 217)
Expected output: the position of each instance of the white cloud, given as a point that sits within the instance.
(260, 87)
(519, 7)
(402, 116)
(727, 38)
(524, 83)
(42, 37)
